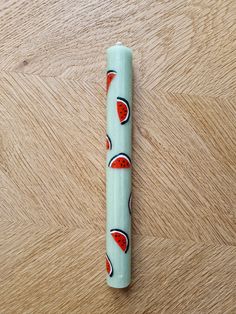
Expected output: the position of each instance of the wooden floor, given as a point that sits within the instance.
(52, 155)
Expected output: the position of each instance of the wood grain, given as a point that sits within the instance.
(46, 270)
(52, 156)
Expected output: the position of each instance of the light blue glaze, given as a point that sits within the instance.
(118, 181)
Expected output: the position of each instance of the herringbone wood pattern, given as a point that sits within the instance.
(52, 156)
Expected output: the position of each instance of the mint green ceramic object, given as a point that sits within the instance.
(118, 166)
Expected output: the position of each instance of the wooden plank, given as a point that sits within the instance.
(46, 269)
(179, 46)
(52, 156)
(53, 159)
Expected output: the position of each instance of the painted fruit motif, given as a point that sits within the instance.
(130, 203)
(120, 161)
(123, 110)
(121, 239)
(110, 76)
(108, 143)
(109, 267)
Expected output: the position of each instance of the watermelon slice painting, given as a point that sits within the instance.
(120, 161)
(110, 76)
(123, 110)
(130, 203)
(108, 143)
(121, 239)
(109, 267)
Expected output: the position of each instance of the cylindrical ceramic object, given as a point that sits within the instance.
(118, 166)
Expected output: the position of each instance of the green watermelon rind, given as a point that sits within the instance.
(130, 203)
(111, 71)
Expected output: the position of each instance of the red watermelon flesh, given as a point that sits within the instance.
(123, 110)
(109, 267)
(121, 239)
(120, 161)
(110, 76)
(108, 143)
